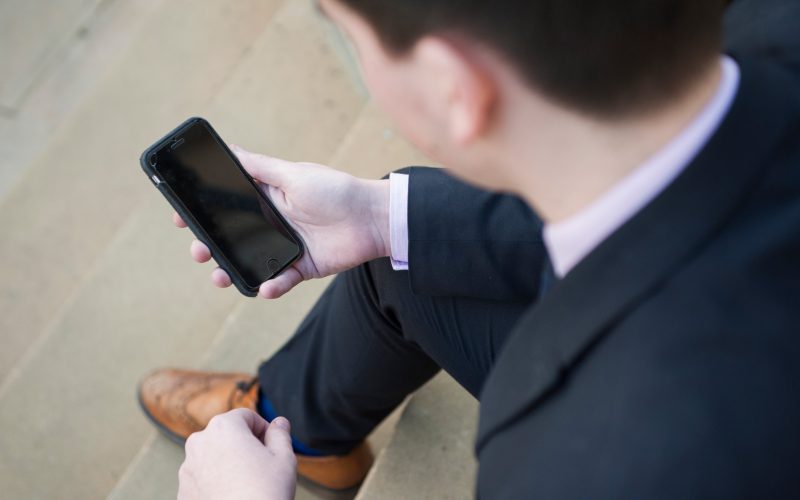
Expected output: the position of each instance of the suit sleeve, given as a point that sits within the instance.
(467, 242)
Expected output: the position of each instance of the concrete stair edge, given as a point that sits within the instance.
(64, 83)
(430, 452)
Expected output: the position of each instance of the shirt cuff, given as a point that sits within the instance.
(398, 221)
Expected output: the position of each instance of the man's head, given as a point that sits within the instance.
(447, 71)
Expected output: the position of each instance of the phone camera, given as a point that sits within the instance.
(153, 160)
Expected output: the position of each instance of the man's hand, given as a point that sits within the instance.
(239, 455)
(343, 220)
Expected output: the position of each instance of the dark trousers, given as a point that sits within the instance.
(368, 343)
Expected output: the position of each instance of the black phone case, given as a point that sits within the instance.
(191, 222)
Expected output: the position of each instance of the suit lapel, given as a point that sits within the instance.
(553, 335)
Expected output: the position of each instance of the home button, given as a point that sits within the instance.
(273, 265)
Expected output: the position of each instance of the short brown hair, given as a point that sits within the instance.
(602, 57)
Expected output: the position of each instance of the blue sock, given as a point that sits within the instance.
(266, 410)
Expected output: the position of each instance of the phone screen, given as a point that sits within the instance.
(235, 215)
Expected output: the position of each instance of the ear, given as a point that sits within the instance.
(463, 90)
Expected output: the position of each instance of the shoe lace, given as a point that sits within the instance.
(245, 386)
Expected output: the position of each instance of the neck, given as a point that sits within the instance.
(576, 158)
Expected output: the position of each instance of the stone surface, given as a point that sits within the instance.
(60, 217)
(24, 57)
(374, 148)
(430, 454)
(291, 97)
(80, 62)
(73, 410)
(153, 473)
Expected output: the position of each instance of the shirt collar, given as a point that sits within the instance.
(569, 241)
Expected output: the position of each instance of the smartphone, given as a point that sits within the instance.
(223, 206)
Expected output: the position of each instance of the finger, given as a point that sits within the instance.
(191, 442)
(279, 285)
(220, 278)
(187, 483)
(265, 169)
(177, 220)
(279, 439)
(254, 422)
(200, 252)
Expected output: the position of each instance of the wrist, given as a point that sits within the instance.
(379, 216)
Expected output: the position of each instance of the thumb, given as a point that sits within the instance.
(278, 438)
(281, 284)
(267, 170)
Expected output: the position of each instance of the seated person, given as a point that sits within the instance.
(627, 316)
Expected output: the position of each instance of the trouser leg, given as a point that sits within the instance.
(368, 343)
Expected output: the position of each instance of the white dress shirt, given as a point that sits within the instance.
(571, 240)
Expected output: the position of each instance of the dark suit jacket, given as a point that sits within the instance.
(665, 365)
(768, 29)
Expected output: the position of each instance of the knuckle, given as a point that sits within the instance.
(191, 442)
(213, 424)
(238, 413)
(218, 422)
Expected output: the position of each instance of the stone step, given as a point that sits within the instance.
(24, 57)
(256, 329)
(72, 412)
(60, 216)
(374, 148)
(430, 455)
(86, 48)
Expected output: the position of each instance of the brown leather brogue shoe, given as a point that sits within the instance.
(182, 402)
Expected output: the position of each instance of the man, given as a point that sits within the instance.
(659, 357)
